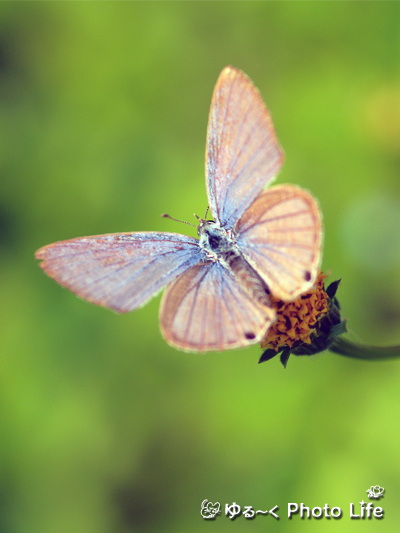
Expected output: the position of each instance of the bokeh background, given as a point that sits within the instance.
(103, 113)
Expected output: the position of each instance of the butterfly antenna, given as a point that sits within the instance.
(164, 215)
(205, 216)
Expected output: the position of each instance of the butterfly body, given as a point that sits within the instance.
(217, 286)
(220, 245)
(216, 241)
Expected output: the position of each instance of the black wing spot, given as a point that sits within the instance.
(250, 335)
(307, 275)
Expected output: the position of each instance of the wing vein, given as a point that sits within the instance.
(279, 265)
(196, 293)
(268, 220)
(234, 157)
(279, 252)
(234, 297)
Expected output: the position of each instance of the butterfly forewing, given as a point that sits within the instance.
(242, 154)
(205, 309)
(281, 236)
(122, 270)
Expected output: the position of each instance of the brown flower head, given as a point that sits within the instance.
(305, 326)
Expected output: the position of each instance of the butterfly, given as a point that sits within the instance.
(260, 241)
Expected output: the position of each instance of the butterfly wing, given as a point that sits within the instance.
(205, 309)
(242, 154)
(122, 270)
(280, 235)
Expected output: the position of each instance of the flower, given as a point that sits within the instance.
(307, 325)
(296, 321)
(311, 324)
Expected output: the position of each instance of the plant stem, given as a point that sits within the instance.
(363, 351)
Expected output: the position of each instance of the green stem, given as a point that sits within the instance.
(363, 351)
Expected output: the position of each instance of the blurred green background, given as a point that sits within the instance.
(103, 114)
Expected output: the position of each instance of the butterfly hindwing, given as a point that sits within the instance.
(243, 154)
(280, 235)
(121, 270)
(205, 309)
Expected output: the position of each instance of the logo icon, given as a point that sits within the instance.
(375, 492)
(209, 510)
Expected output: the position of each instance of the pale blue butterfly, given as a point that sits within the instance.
(218, 285)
